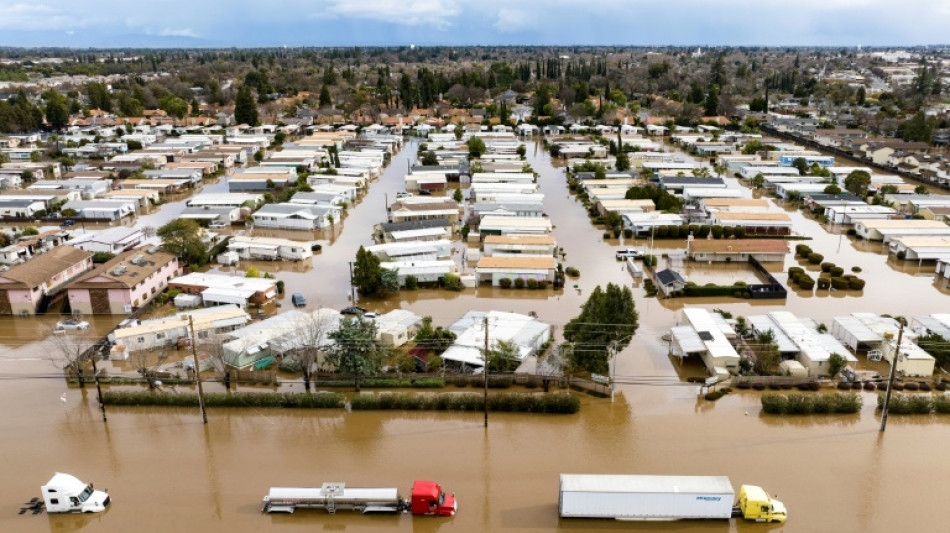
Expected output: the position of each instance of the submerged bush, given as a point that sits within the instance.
(807, 404)
(562, 403)
(222, 399)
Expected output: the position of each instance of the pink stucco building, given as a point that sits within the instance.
(124, 283)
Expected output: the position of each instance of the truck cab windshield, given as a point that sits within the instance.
(441, 498)
(86, 493)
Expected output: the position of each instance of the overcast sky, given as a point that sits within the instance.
(114, 23)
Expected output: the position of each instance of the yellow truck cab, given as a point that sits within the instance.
(756, 504)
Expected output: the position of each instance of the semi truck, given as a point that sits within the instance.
(427, 499)
(638, 497)
(64, 493)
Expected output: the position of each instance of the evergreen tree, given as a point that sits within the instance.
(607, 323)
(712, 101)
(366, 272)
(245, 108)
(354, 350)
(325, 100)
(57, 112)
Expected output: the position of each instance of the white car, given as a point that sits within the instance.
(629, 253)
(217, 225)
(72, 324)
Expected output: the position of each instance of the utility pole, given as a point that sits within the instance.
(485, 402)
(95, 376)
(194, 355)
(613, 372)
(890, 379)
(352, 288)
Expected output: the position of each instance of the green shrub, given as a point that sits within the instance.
(428, 383)
(795, 272)
(223, 399)
(941, 404)
(815, 259)
(804, 404)
(839, 283)
(607, 235)
(102, 257)
(714, 395)
(561, 403)
(505, 283)
(907, 404)
(856, 284)
(627, 233)
(572, 272)
(825, 267)
(500, 382)
(856, 269)
(836, 272)
(412, 282)
(519, 283)
(806, 283)
(531, 283)
(823, 283)
(385, 383)
(802, 250)
(452, 282)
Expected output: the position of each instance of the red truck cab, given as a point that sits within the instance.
(429, 499)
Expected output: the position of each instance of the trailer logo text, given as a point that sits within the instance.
(709, 498)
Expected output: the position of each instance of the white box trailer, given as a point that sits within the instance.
(631, 497)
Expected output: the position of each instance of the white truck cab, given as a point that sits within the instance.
(66, 494)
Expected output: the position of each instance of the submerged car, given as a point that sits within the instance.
(72, 324)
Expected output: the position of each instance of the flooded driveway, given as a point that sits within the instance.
(168, 472)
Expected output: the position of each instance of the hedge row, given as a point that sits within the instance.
(561, 402)
(386, 383)
(916, 404)
(807, 404)
(222, 399)
(698, 231)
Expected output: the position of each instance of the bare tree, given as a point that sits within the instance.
(213, 347)
(71, 353)
(310, 341)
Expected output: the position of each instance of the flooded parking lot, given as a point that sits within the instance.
(166, 471)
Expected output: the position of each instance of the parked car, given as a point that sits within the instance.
(217, 225)
(298, 300)
(629, 253)
(72, 324)
(358, 311)
(425, 192)
(403, 195)
(371, 315)
(68, 223)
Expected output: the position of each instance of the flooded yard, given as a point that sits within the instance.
(168, 472)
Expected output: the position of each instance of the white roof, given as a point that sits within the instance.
(212, 280)
(648, 484)
(522, 330)
(815, 346)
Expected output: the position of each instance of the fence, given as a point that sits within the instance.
(773, 290)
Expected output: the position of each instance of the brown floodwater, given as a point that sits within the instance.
(168, 472)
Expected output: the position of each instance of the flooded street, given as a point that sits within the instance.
(168, 472)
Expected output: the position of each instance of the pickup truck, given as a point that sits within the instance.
(628, 253)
